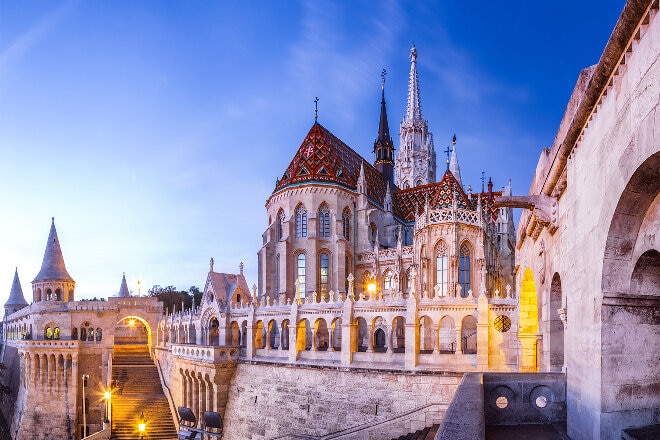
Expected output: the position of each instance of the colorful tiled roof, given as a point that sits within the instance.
(440, 195)
(324, 158)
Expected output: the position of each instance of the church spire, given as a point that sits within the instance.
(415, 161)
(16, 300)
(123, 289)
(383, 146)
(414, 108)
(453, 163)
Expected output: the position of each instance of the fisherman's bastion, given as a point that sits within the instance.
(392, 301)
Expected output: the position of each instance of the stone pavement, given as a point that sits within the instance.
(525, 432)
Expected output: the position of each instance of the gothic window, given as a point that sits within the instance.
(74, 333)
(301, 276)
(301, 222)
(406, 185)
(464, 270)
(442, 270)
(387, 279)
(373, 232)
(58, 294)
(56, 333)
(324, 272)
(49, 295)
(324, 221)
(419, 183)
(99, 334)
(346, 223)
(280, 224)
(49, 333)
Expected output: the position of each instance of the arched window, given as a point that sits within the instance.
(280, 224)
(49, 333)
(442, 270)
(464, 270)
(324, 221)
(301, 276)
(56, 333)
(58, 294)
(346, 223)
(74, 333)
(301, 222)
(387, 279)
(324, 272)
(277, 274)
(99, 334)
(406, 185)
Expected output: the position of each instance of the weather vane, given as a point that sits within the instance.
(483, 179)
(382, 76)
(447, 152)
(316, 109)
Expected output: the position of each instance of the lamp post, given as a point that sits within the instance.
(84, 404)
(142, 425)
(108, 406)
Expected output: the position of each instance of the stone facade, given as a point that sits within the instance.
(587, 247)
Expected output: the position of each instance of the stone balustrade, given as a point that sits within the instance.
(206, 353)
(46, 343)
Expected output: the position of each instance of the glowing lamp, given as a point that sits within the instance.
(371, 287)
(142, 426)
(107, 394)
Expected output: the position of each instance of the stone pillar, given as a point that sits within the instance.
(411, 332)
(482, 332)
(527, 352)
(348, 332)
(249, 346)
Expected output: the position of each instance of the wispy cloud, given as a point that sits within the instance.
(22, 45)
(323, 58)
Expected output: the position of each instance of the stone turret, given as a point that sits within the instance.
(53, 282)
(16, 300)
(123, 289)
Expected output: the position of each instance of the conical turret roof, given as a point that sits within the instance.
(52, 267)
(123, 290)
(16, 297)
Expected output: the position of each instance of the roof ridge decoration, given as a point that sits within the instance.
(16, 297)
(453, 163)
(52, 266)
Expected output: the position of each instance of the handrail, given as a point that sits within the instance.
(170, 399)
(367, 427)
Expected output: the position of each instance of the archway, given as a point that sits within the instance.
(556, 327)
(630, 287)
(528, 324)
(131, 330)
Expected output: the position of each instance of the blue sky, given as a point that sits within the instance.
(154, 131)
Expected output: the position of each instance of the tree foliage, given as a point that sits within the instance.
(173, 300)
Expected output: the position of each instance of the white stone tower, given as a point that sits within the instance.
(415, 161)
(53, 282)
(16, 300)
(123, 289)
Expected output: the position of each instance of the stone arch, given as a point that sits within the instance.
(273, 334)
(528, 323)
(214, 331)
(284, 335)
(447, 335)
(336, 334)
(556, 326)
(321, 335)
(362, 334)
(630, 287)
(379, 333)
(426, 337)
(235, 334)
(144, 330)
(259, 334)
(469, 335)
(303, 336)
(399, 334)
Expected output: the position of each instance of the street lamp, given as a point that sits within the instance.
(85, 377)
(108, 406)
(142, 426)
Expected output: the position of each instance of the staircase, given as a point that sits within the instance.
(138, 391)
(427, 433)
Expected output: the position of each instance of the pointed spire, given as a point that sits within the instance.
(362, 181)
(123, 289)
(383, 145)
(16, 297)
(52, 267)
(388, 199)
(453, 163)
(414, 108)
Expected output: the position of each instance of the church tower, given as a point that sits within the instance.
(53, 282)
(415, 161)
(383, 146)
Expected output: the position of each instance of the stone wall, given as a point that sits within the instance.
(267, 401)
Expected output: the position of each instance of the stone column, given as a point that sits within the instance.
(482, 332)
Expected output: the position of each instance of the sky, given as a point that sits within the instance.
(153, 132)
